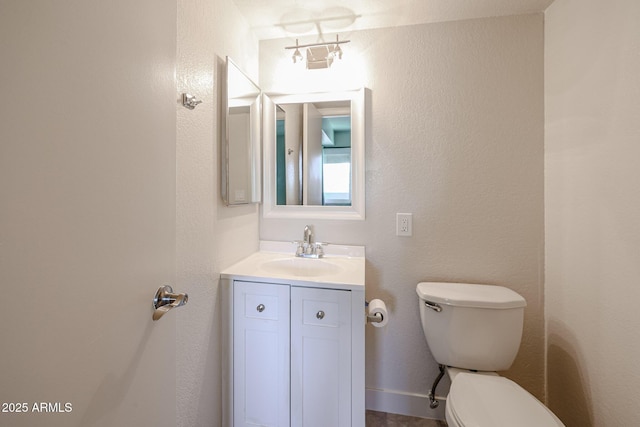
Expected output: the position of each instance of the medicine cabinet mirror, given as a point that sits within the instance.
(241, 160)
(314, 155)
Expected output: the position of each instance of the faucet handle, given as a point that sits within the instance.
(320, 248)
(300, 247)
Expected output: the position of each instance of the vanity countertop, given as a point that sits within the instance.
(342, 267)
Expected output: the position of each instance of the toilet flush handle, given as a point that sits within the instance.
(433, 306)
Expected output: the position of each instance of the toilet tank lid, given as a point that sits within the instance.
(470, 295)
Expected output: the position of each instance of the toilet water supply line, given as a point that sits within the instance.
(433, 398)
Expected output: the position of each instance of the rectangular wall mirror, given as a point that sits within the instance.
(314, 155)
(241, 160)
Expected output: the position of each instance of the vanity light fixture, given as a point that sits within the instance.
(319, 55)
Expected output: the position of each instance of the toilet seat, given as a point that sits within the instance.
(494, 401)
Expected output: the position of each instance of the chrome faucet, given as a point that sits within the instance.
(307, 248)
(307, 234)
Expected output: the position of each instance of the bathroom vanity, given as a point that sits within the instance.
(294, 337)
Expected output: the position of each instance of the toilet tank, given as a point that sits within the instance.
(471, 326)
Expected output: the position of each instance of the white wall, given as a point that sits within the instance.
(592, 147)
(210, 236)
(456, 138)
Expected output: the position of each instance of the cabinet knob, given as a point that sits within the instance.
(320, 315)
(260, 308)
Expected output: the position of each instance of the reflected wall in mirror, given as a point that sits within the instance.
(241, 168)
(314, 155)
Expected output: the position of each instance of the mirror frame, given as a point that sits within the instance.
(255, 148)
(356, 211)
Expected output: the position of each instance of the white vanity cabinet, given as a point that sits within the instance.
(293, 359)
(293, 342)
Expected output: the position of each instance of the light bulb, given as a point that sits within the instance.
(338, 50)
(297, 56)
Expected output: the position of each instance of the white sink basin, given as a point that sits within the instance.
(341, 268)
(302, 267)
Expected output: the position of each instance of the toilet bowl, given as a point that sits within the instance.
(475, 330)
(477, 399)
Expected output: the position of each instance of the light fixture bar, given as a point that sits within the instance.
(316, 56)
(297, 46)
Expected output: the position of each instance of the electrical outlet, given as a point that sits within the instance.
(404, 226)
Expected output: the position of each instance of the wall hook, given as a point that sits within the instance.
(190, 101)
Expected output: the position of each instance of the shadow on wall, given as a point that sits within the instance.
(567, 381)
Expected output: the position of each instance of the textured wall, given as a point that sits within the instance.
(210, 236)
(592, 105)
(456, 138)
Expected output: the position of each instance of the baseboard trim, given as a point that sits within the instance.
(403, 403)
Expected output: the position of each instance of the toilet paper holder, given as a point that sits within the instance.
(373, 318)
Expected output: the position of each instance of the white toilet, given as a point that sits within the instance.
(474, 331)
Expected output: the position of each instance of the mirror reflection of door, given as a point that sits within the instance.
(313, 154)
(289, 154)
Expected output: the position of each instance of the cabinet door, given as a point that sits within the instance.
(320, 357)
(261, 354)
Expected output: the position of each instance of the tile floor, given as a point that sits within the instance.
(383, 419)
